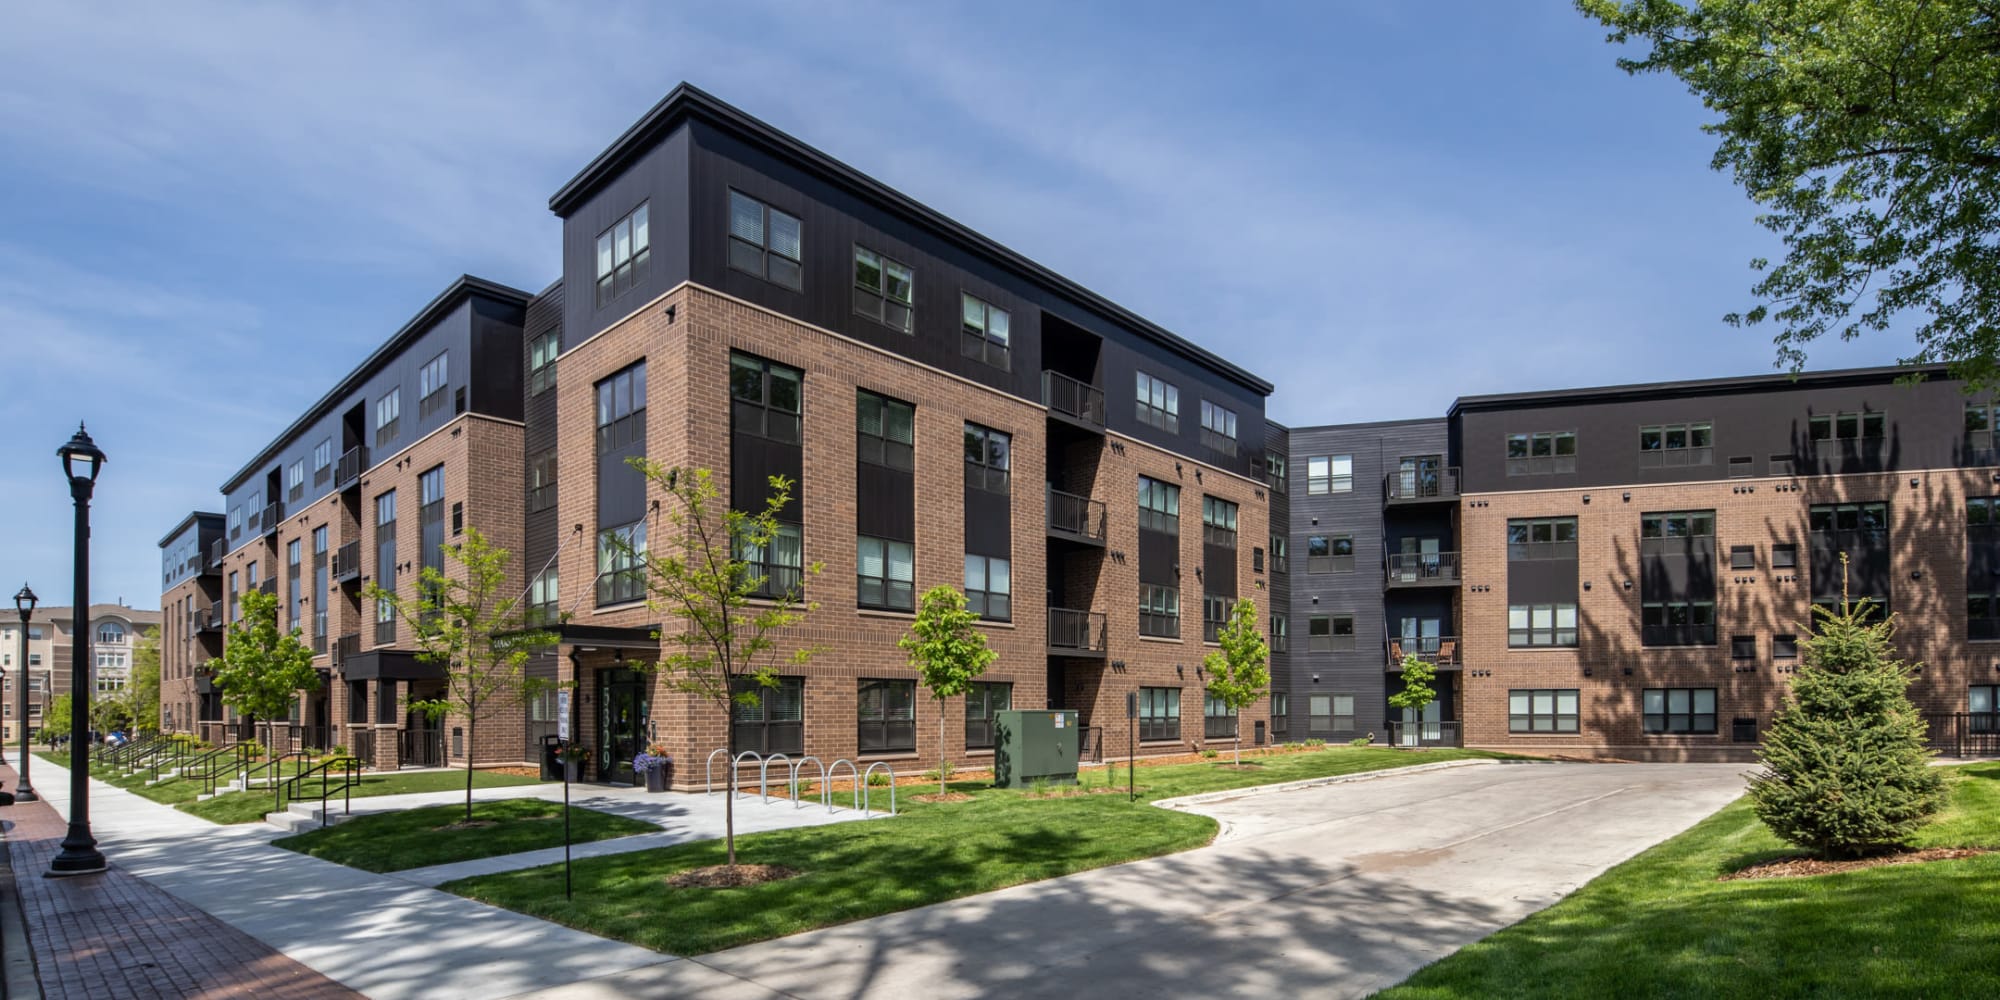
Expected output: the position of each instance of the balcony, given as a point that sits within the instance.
(347, 563)
(1423, 485)
(347, 475)
(1075, 402)
(1440, 651)
(269, 586)
(1075, 518)
(1425, 734)
(1422, 569)
(346, 647)
(207, 619)
(216, 550)
(267, 522)
(1076, 633)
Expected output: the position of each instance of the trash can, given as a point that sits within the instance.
(551, 767)
(1030, 746)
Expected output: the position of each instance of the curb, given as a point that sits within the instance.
(1337, 779)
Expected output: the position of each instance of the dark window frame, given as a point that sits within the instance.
(619, 270)
(1551, 636)
(1159, 506)
(1534, 539)
(542, 480)
(980, 707)
(1159, 713)
(767, 414)
(1159, 611)
(890, 724)
(890, 593)
(621, 568)
(1553, 719)
(880, 303)
(978, 340)
(1675, 445)
(1333, 480)
(1218, 428)
(772, 262)
(621, 416)
(1219, 519)
(989, 603)
(883, 446)
(1158, 402)
(434, 386)
(542, 353)
(752, 726)
(1663, 722)
(988, 458)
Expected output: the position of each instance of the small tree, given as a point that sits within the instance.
(1846, 769)
(1418, 674)
(947, 652)
(142, 693)
(466, 624)
(1238, 673)
(262, 670)
(55, 718)
(713, 575)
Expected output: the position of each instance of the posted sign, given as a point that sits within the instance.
(562, 715)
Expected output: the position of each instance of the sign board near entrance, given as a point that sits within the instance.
(562, 716)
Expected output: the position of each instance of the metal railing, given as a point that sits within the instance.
(216, 550)
(420, 748)
(348, 473)
(1092, 749)
(1439, 650)
(1424, 734)
(347, 562)
(267, 522)
(1418, 568)
(1073, 515)
(334, 776)
(346, 647)
(1072, 398)
(361, 744)
(1078, 630)
(1421, 484)
(1965, 734)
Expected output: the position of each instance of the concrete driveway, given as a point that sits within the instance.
(1336, 890)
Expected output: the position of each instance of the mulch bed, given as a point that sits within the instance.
(1799, 867)
(519, 772)
(727, 877)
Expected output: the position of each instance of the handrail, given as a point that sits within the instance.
(863, 787)
(177, 754)
(210, 765)
(834, 769)
(350, 776)
(798, 800)
(737, 763)
(276, 767)
(710, 767)
(764, 774)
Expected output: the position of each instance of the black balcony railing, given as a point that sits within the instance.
(1424, 734)
(1438, 650)
(421, 748)
(269, 586)
(361, 743)
(346, 647)
(207, 618)
(1082, 631)
(216, 550)
(1965, 734)
(1074, 399)
(385, 630)
(267, 522)
(1423, 483)
(348, 474)
(1073, 516)
(1416, 569)
(347, 562)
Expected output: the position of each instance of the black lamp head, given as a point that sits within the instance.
(25, 602)
(82, 460)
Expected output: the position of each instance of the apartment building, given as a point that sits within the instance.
(191, 611)
(115, 629)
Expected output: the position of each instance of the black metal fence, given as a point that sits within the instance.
(1965, 734)
(422, 748)
(1424, 734)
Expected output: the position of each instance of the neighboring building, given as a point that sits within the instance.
(190, 622)
(115, 631)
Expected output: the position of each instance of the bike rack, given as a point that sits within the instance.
(736, 764)
(863, 787)
(764, 774)
(834, 769)
(718, 752)
(799, 801)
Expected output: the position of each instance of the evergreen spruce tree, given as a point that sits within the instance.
(1846, 768)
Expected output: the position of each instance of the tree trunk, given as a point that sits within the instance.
(729, 804)
(941, 788)
(471, 731)
(1239, 741)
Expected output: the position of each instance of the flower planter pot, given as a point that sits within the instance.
(571, 770)
(656, 779)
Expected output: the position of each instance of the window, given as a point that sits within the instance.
(1214, 612)
(764, 398)
(778, 567)
(1159, 713)
(1159, 611)
(545, 597)
(1542, 710)
(1218, 428)
(1257, 560)
(1159, 403)
(620, 564)
(1541, 625)
(1784, 647)
(1855, 426)
(1667, 445)
(982, 703)
(1281, 633)
(883, 290)
(1784, 556)
(235, 522)
(765, 242)
(1743, 557)
(775, 720)
(542, 353)
(294, 594)
(1982, 616)
(388, 412)
(986, 458)
(1329, 474)
(1982, 702)
(1541, 538)
(542, 481)
(1679, 710)
(295, 481)
(431, 384)
(1675, 524)
(1677, 623)
(1159, 506)
(1329, 713)
(623, 252)
(887, 717)
(1778, 465)
(1275, 471)
(885, 574)
(1330, 633)
(1281, 560)
(322, 462)
(235, 599)
(885, 431)
(989, 587)
(984, 333)
(1218, 522)
(1743, 647)
(1742, 467)
(1541, 453)
(1329, 553)
(621, 409)
(1218, 719)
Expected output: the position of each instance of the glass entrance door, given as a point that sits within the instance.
(1421, 635)
(1420, 475)
(623, 710)
(1422, 726)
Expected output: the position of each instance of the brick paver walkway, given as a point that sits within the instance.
(114, 935)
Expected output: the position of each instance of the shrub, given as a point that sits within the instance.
(1846, 769)
(338, 750)
(878, 780)
(943, 772)
(1361, 741)
(1208, 753)
(1315, 742)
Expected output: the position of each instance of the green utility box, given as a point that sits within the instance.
(1034, 746)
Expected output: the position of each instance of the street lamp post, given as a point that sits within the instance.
(80, 856)
(24, 602)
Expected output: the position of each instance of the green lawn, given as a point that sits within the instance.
(932, 852)
(1660, 925)
(417, 838)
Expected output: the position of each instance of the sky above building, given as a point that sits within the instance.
(208, 215)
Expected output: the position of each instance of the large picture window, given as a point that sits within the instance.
(1679, 710)
(1159, 506)
(1159, 713)
(1542, 710)
(624, 252)
(765, 242)
(1329, 474)
(776, 723)
(1329, 713)
(765, 398)
(887, 716)
(989, 587)
(1159, 403)
(885, 575)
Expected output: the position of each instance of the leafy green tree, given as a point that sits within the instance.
(1868, 131)
(1418, 676)
(263, 669)
(142, 692)
(710, 576)
(55, 717)
(947, 652)
(466, 624)
(109, 713)
(1845, 766)
(1239, 673)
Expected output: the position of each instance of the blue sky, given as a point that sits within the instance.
(208, 215)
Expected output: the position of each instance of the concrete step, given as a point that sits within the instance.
(299, 817)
